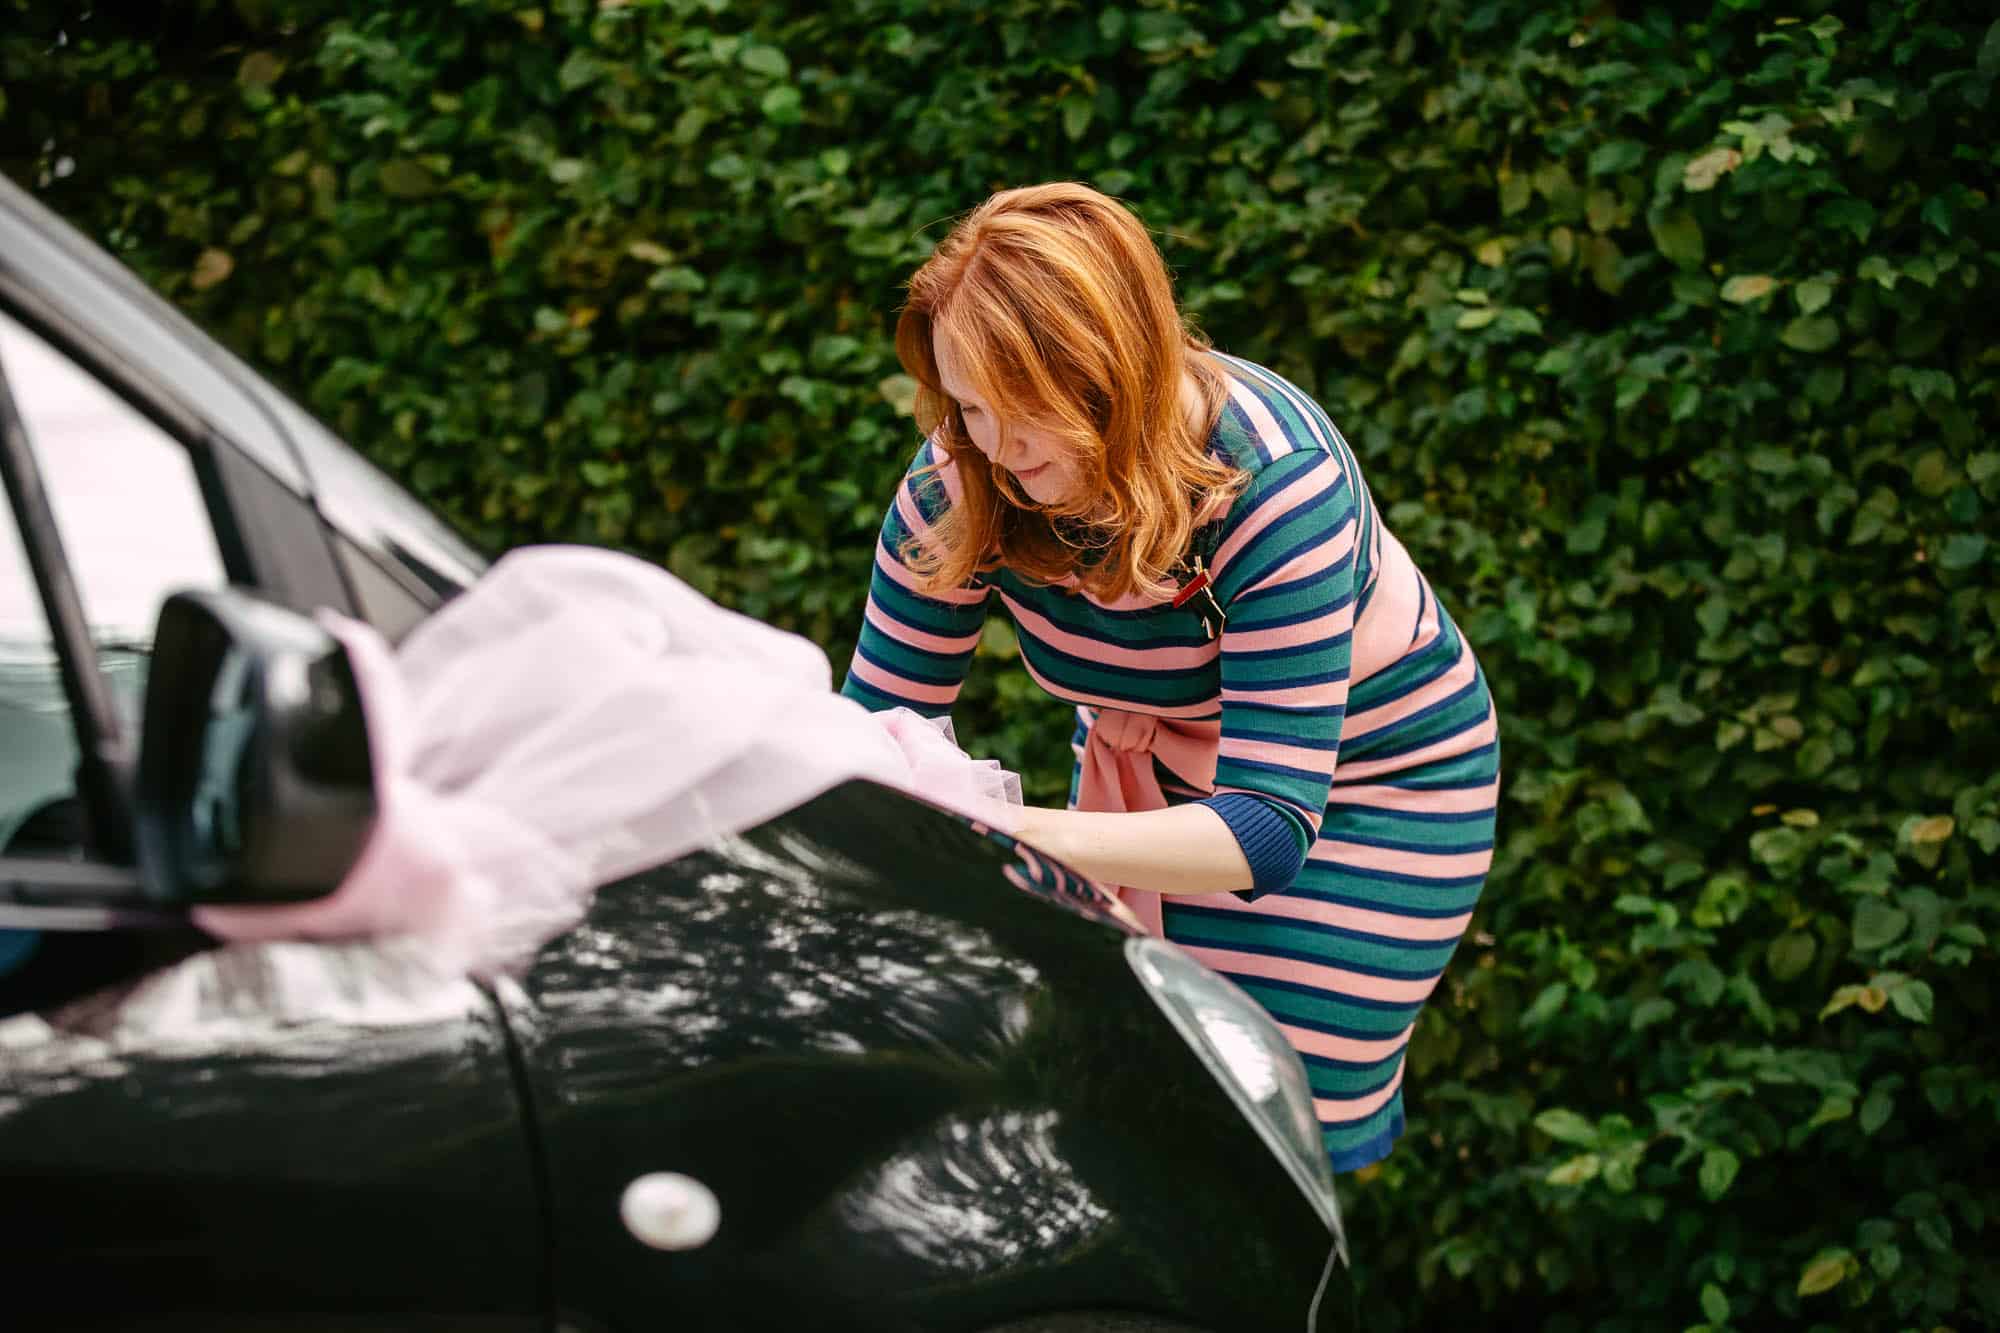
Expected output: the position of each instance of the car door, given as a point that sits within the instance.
(261, 1136)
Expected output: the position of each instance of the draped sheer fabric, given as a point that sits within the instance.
(577, 716)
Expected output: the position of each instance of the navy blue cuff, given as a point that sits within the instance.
(1268, 837)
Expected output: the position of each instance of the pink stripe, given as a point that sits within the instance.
(1451, 746)
(1464, 801)
(1194, 710)
(1291, 636)
(900, 687)
(1269, 433)
(1374, 719)
(1354, 1050)
(1427, 865)
(1297, 907)
(1104, 652)
(916, 638)
(897, 574)
(1325, 694)
(1320, 479)
(1319, 976)
(1275, 752)
(1333, 1110)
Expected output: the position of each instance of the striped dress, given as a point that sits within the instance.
(1352, 714)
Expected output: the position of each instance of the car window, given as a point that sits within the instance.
(133, 527)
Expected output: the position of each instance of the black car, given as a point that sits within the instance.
(867, 1066)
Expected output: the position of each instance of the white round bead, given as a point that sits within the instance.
(670, 1211)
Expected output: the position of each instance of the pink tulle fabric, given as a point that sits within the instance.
(576, 716)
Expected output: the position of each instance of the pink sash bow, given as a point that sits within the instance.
(1117, 773)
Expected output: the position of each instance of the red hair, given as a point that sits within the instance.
(1061, 312)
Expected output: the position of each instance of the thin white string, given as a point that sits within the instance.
(1319, 1292)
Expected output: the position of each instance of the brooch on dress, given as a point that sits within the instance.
(1202, 587)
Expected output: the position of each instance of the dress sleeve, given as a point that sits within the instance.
(915, 647)
(1285, 574)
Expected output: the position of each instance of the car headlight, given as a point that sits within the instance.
(1243, 1048)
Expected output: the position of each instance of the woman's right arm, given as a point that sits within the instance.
(915, 647)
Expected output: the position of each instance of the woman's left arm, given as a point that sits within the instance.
(1183, 849)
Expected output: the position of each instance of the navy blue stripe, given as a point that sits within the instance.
(1331, 932)
(1456, 697)
(1427, 849)
(1329, 744)
(950, 679)
(1250, 599)
(1362, 747)
(1304, 889)
(1297, 650)
(1250, 983)
(1262, 766)
(1288, 683)
(1332, 1065)
(1431, 675)
(1413, 781)
(1395, 877)
(1421, 817)
(1292, 955)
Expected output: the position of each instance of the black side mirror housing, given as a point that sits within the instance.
(255, 781)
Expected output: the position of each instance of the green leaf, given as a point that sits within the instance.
(1547, 1005)
(1812, 295)
(1810, 334)
(1567, 1126)
(1824, 1271)
(1962, 550)
(1876, 924)
(1576, 1171)
(1679, 237)
(1616, 157)
(1877, 1107)
(1718, 1172)
(406, 179)
(1790, 954)
(1477, 318)
(782, 105)
(1747, 287)
(766, 60)
(1076, 114)
(1714, 1305)
(1914, 1001)
(1989, 53)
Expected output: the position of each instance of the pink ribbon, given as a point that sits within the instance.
(1117, 774)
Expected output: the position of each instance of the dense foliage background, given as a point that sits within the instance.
(1666, 339)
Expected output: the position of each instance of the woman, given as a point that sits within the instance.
(1285, 751)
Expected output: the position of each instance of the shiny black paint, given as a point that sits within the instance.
(925, 1098)
(267, 1137)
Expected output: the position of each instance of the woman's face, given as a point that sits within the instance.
(1041, 469)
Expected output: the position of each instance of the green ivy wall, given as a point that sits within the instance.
(1666, 335)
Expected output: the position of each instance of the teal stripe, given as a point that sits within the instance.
(1328, 1010)
(1275, 936)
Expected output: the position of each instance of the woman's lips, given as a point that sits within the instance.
(1032, 472)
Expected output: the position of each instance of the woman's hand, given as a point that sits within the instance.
(1183, 849)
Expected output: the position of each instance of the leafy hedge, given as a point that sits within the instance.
(1668, 343)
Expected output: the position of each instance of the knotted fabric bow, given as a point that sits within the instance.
(1118, 773)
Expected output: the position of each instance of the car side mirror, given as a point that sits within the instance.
(255, 781)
